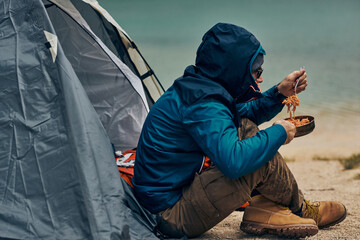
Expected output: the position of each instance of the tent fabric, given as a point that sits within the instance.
(151, 82)
(58, 178)
(115, 92)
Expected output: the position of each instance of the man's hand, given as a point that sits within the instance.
(289, 128)
(287, 86)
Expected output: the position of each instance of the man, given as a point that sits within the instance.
(212, 111)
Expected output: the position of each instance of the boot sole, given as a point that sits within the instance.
(292, 231)
(335, 222)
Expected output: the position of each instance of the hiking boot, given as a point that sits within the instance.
(325, 213)
(264, 216)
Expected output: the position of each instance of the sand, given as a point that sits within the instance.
(319, 180)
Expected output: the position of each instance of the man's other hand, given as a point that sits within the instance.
(287, 86)
(289, 128)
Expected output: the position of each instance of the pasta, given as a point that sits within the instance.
(299, 122)
(294, 101)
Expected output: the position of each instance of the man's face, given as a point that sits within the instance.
(257, 74)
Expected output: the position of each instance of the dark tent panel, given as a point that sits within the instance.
(114, 91)
(106, 32)
(109, 35)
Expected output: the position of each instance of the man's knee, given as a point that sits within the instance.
(247, 129)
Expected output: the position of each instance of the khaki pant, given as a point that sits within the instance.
(212, 196)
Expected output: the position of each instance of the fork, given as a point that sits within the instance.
(297, 82)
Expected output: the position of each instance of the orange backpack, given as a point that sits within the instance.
(125, 163)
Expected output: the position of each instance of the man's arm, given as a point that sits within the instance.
(211, 126)
(262, 109)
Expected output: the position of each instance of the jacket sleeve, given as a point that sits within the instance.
(262, 109)
(210, 125)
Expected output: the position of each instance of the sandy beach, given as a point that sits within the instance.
(319, 180)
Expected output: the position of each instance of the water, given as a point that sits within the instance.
(323, 36)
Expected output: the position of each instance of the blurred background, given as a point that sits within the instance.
(322, 35)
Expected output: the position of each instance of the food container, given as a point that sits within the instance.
(304, 129)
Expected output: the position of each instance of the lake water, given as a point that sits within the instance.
(323, 36)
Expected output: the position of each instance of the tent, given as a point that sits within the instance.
(97, 48)
(72, 84)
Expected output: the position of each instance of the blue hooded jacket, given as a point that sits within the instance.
(198, 116)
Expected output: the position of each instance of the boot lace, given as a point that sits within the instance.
(311, 210)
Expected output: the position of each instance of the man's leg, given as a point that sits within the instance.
(212, 196)
(275, 180)
(325, 213)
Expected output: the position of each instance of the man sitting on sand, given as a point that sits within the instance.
(213, 111)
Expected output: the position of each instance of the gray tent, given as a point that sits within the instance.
(65, 96)
(97, 51)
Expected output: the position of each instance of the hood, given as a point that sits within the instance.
(223, 69)
(193, 87)
(226, 55)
